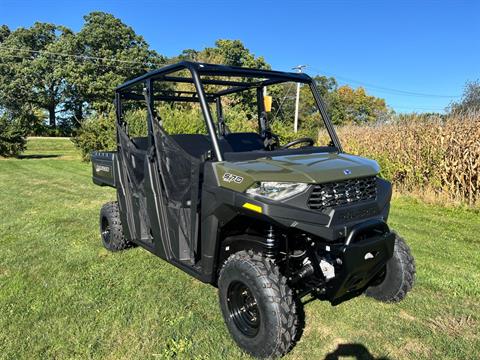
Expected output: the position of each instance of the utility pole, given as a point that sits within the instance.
(299, 69)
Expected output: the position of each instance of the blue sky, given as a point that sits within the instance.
(415, 54)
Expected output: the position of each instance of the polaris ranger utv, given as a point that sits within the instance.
(270, 224)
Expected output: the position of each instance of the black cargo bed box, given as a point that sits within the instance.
(103, 168)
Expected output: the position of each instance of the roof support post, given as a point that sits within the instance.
(206, 112)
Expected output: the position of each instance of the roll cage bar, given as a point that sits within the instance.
(197, 70)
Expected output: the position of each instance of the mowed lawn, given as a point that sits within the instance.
(63, 296)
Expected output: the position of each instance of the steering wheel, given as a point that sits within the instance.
(308, 140)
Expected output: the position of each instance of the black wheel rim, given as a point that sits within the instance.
(243, 308)
(105, 230)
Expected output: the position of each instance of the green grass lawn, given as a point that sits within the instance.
(63, 296)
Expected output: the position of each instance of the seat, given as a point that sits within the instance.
(196, 145)
(141, 143)
(245, 141)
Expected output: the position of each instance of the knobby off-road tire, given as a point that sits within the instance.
(258, 306)
(399, 275)
(111, 229)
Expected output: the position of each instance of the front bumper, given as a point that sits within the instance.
(361, 260)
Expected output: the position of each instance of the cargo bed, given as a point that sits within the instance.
(103, 168)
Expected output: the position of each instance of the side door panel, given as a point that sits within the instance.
(131, 161)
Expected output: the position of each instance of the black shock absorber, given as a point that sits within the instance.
(271, 246)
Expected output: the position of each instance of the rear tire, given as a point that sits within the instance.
(258, 306)
(111, 230)
(399, 275)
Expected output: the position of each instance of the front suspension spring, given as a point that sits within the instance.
(271, 246)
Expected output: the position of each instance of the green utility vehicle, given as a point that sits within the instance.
(271, 220)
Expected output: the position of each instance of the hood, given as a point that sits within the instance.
(307, 168)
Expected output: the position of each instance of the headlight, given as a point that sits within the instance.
(276, 190)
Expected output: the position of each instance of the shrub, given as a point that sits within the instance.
(13, 134)
(98, 132)
(239, 120)
(182, 120)
(63, 129)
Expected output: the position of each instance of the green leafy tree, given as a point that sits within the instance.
(233, 53)
(113, 53)
(284, 101)
(325, 85)
(29, 76)
(4, 33)
(12, 135)
(228, 52)
(308, 108)
(348, 106)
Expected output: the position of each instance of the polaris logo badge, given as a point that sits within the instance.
(227, 177)
(102, 168)
(347, 171)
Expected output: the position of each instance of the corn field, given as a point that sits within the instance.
(439, 155)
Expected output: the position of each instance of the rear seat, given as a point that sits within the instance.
(194, 144)
(198, 145)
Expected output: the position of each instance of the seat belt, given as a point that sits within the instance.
(222, 127)
(269, 140)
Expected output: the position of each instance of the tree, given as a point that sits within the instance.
(470, 101)
(325, 85)
(233, 53)
(344, 104)
(347, 106)
(50, 67)
(4, 33)
(12, 135)
(29, 75)
(113, 53)
(228, 52)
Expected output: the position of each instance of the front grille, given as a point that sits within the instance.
(342, 193)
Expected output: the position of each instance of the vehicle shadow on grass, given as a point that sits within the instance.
(355, 351)
(38, 156)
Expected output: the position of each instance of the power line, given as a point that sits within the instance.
(80, 57)
(398, 92)
(149, 64)
(386, 89)
(418, 108)
(78, 60)
(64, 61)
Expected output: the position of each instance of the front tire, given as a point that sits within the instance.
(398, 277)
(111, 229)
(257, 305)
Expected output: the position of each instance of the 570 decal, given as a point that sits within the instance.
(227, 177)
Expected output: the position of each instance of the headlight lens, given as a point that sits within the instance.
(276, 190)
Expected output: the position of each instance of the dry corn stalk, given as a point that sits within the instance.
(435, 154)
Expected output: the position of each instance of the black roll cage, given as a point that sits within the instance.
(197, 70)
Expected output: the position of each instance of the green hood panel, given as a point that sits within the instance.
(307, 168)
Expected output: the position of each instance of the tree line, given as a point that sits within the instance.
(52, 79)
